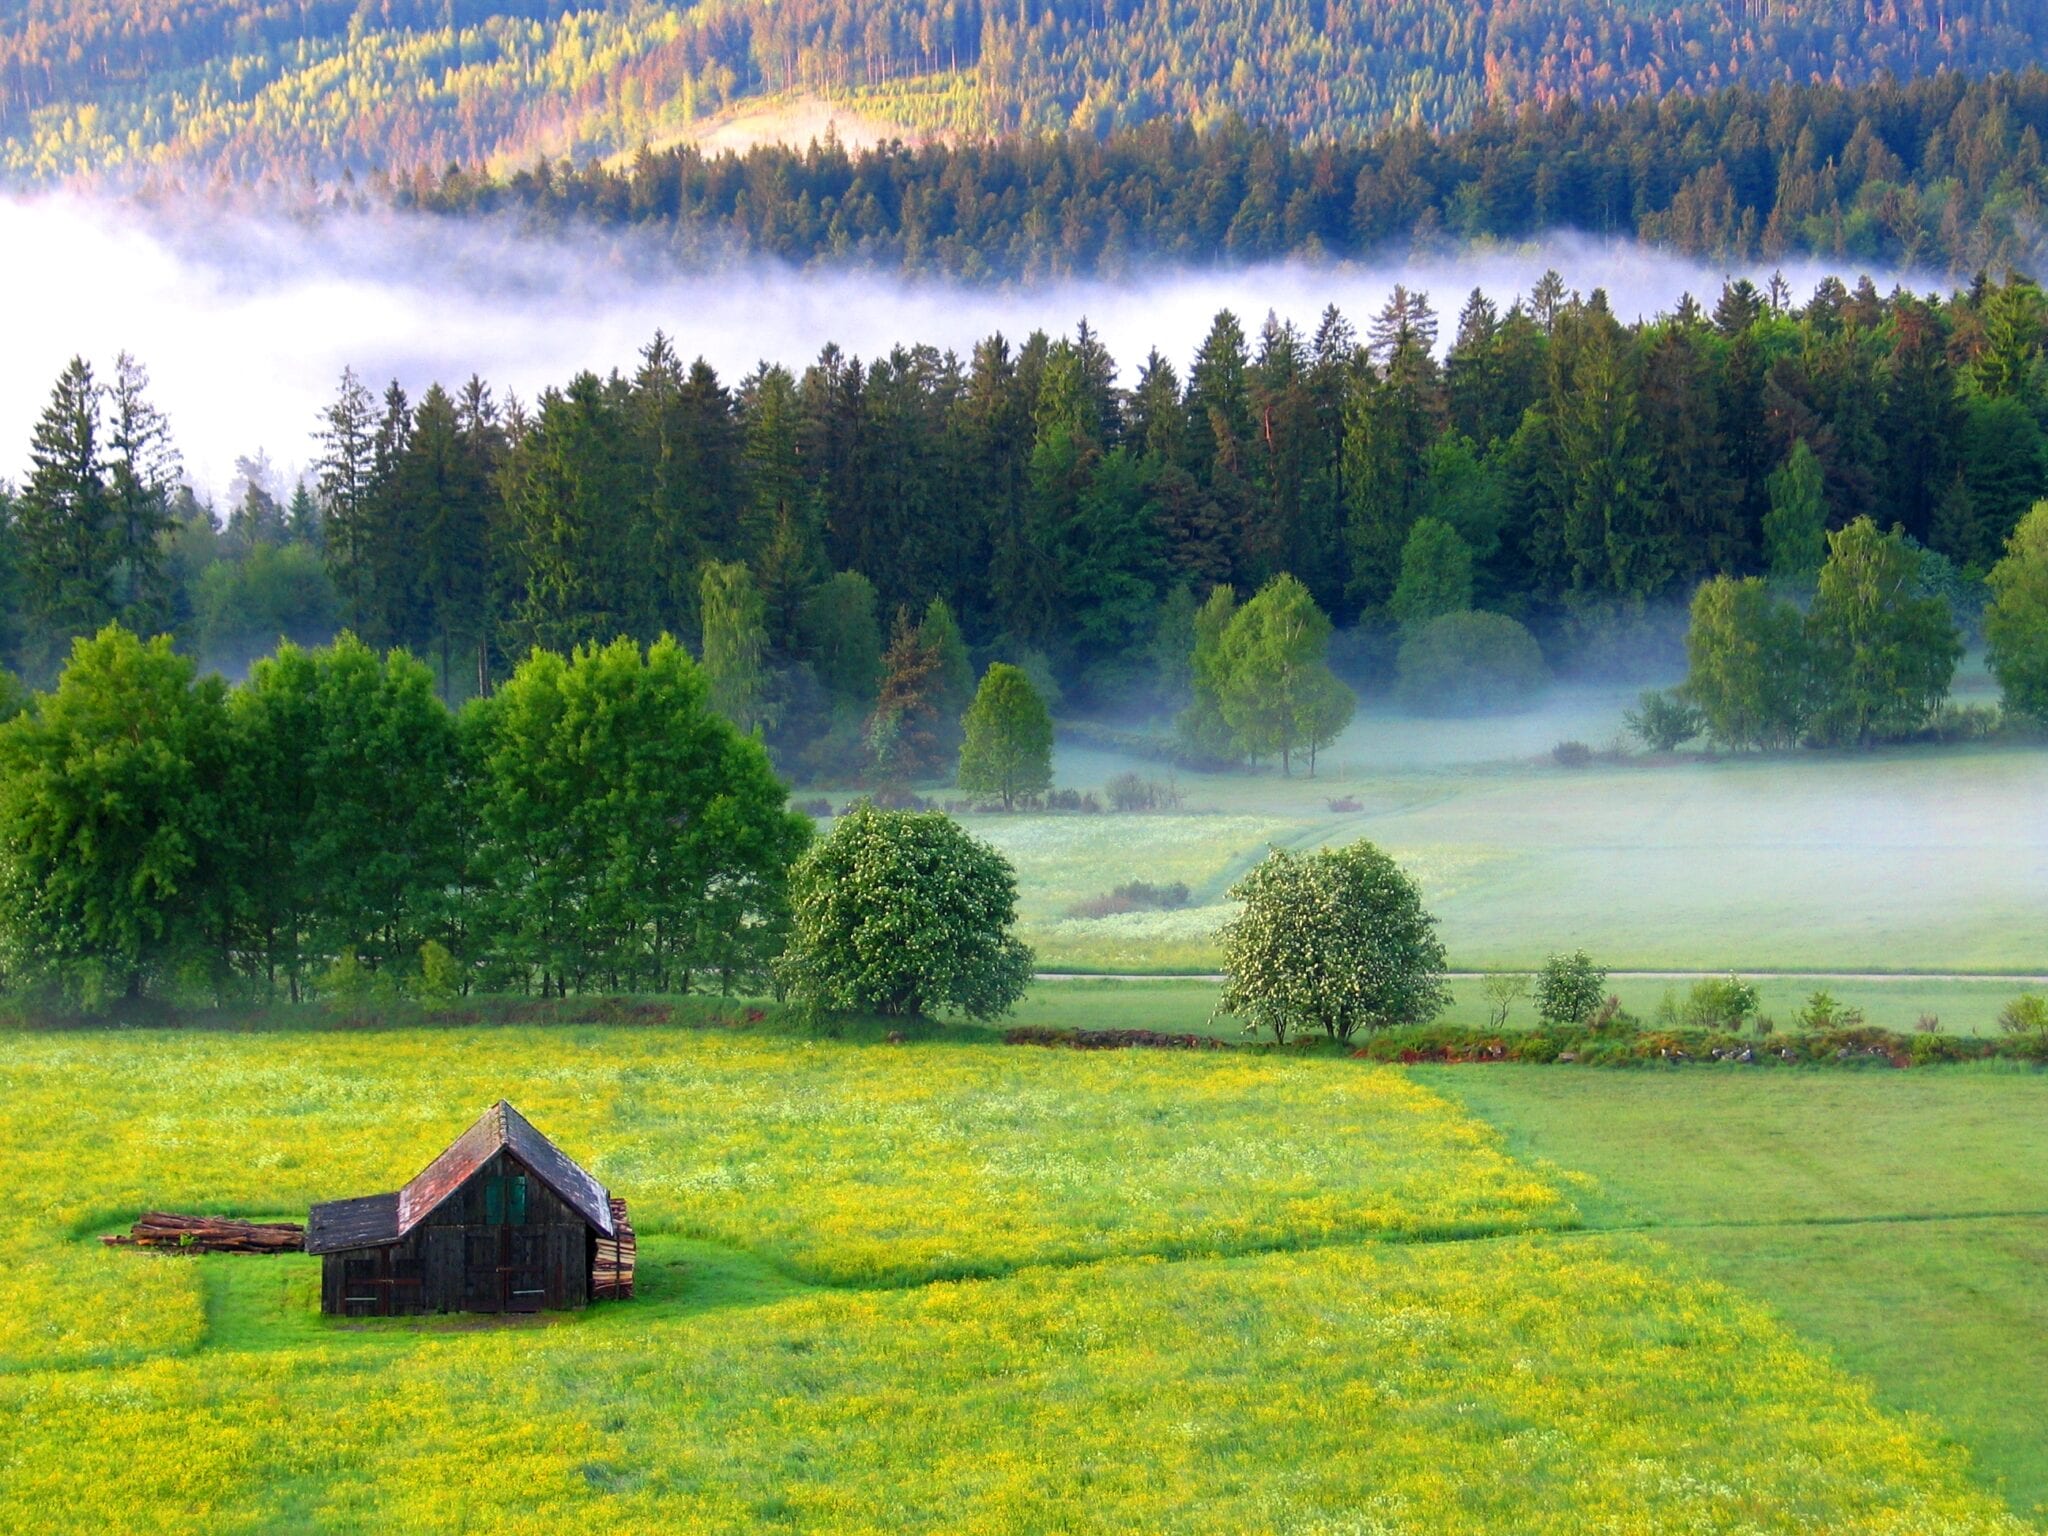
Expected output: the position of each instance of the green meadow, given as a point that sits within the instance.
(944, 1284)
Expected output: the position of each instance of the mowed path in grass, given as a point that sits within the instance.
(1899, 1219)
(942, 1286)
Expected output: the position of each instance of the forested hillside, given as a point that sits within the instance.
(256, 87)
(1557, 467)
(1939, 173)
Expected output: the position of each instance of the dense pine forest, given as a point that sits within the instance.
(255, 88)
(1940, 173)
(866, 524)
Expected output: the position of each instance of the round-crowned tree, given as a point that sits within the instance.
(1336, 940)
(903, 913)
(1007, 750)
(1469, 663)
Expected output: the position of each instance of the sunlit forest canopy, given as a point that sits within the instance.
(261, 87)
(1940, 173)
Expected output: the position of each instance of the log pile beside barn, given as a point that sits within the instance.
(502, 1221)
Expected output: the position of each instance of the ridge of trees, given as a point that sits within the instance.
(260, 88)
(1942, 172)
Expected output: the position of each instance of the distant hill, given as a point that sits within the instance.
(296, 88)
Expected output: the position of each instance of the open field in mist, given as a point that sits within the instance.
(1222, 1292)
(1907, 859)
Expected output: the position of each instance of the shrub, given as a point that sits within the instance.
(1344, 805)
(1131, 792)
(1137, 896)
(1719, 1003)
(1469, 663)
(440, 979)
(2025, 1015)
(1570, 989)
(1572, 754)
(1503, 990)
(1823, 1013)
(1663, 720)
(1927, 1024)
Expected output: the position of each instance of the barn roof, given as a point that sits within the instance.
(376, 1219)
(365, 1222)
(503, 1128)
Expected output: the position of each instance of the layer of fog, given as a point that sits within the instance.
(245, 324)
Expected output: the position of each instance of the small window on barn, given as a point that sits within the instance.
(505, 1200)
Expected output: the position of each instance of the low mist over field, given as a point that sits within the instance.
(246, 323)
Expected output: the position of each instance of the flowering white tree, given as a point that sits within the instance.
(1337, 941)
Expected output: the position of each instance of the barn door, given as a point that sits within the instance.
(482, 1284)
(525, 1269)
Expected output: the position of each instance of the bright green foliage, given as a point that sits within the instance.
(1201, 728)
(441, 975)
(1469, 663)
(2016, 624)
(1275, 691)
(1795, 529)
(383, 838)
(1883, 654)
(1436, 574)
(903, 914)
(1335, 940)
(1007, 751)
(629, 836)
(113, 792)
(2026, 1014)
(735, 645)
(1570, 988)
(1664, 719)
(278, 735)
(1747, 664)
(940, 633)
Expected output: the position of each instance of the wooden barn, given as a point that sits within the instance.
(500, 1222)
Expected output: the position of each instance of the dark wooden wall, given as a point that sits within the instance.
(459, 1261)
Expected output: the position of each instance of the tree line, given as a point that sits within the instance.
(330, 826)
(850, 546)
(1941, 172)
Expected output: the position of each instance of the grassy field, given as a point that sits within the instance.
(1899, 1219)
(1910, 859)
(945, 1285)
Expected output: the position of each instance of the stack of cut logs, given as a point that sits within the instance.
(611, 1273)
(210, 1234)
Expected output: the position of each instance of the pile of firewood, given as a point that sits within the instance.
(611, 1273)
(210, 1234)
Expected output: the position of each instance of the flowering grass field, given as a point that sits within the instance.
(938, 1286)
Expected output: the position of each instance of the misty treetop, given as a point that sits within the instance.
(846, 545)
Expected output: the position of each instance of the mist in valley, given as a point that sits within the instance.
(246, 322)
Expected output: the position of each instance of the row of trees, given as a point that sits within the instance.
(1870, 656)
(330, 824)
(1945, 171)
(1551, 464)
